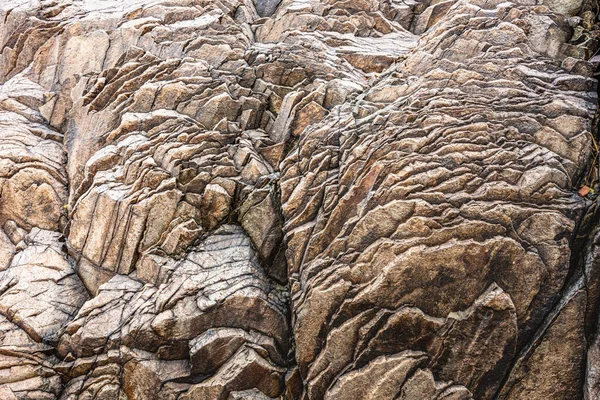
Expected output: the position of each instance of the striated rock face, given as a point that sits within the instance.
(299, 199)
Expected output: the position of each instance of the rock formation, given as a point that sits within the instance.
(299, 199)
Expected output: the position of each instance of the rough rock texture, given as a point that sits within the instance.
(299, 199)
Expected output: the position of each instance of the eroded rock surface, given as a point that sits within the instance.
(299, 199)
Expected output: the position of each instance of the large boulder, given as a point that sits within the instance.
(300, 199)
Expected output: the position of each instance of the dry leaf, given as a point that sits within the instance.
(584, 191)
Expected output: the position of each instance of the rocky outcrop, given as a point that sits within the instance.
(320, 199)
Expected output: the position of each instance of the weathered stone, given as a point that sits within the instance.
(554, 366)
(41, 290)
(567, 7)
(309, 199)
(247, 369)
(266, 8)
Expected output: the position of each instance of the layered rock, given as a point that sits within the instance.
(215, 316)
(318, 199)
(454, 171)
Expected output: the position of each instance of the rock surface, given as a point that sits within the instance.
(299, 199)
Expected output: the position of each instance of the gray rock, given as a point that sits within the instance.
(266, 8)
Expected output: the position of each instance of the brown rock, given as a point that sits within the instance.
(314, 199)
